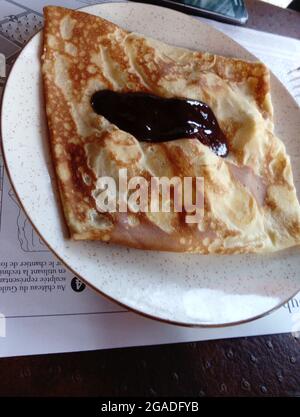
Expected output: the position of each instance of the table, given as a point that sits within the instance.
(254, 366)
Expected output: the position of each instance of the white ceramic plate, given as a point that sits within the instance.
(180, 288)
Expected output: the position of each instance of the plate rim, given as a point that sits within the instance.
(84, 280)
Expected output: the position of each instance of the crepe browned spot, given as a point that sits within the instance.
(249, 196)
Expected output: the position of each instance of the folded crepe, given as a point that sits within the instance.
(250, 202)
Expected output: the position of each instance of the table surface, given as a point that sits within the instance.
(251, 366)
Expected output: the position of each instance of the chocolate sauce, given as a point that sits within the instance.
(155, 119)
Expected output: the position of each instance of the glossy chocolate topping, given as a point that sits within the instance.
(155, 119)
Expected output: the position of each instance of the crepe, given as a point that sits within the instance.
(250, 202)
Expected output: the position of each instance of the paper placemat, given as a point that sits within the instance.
(43, 307)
